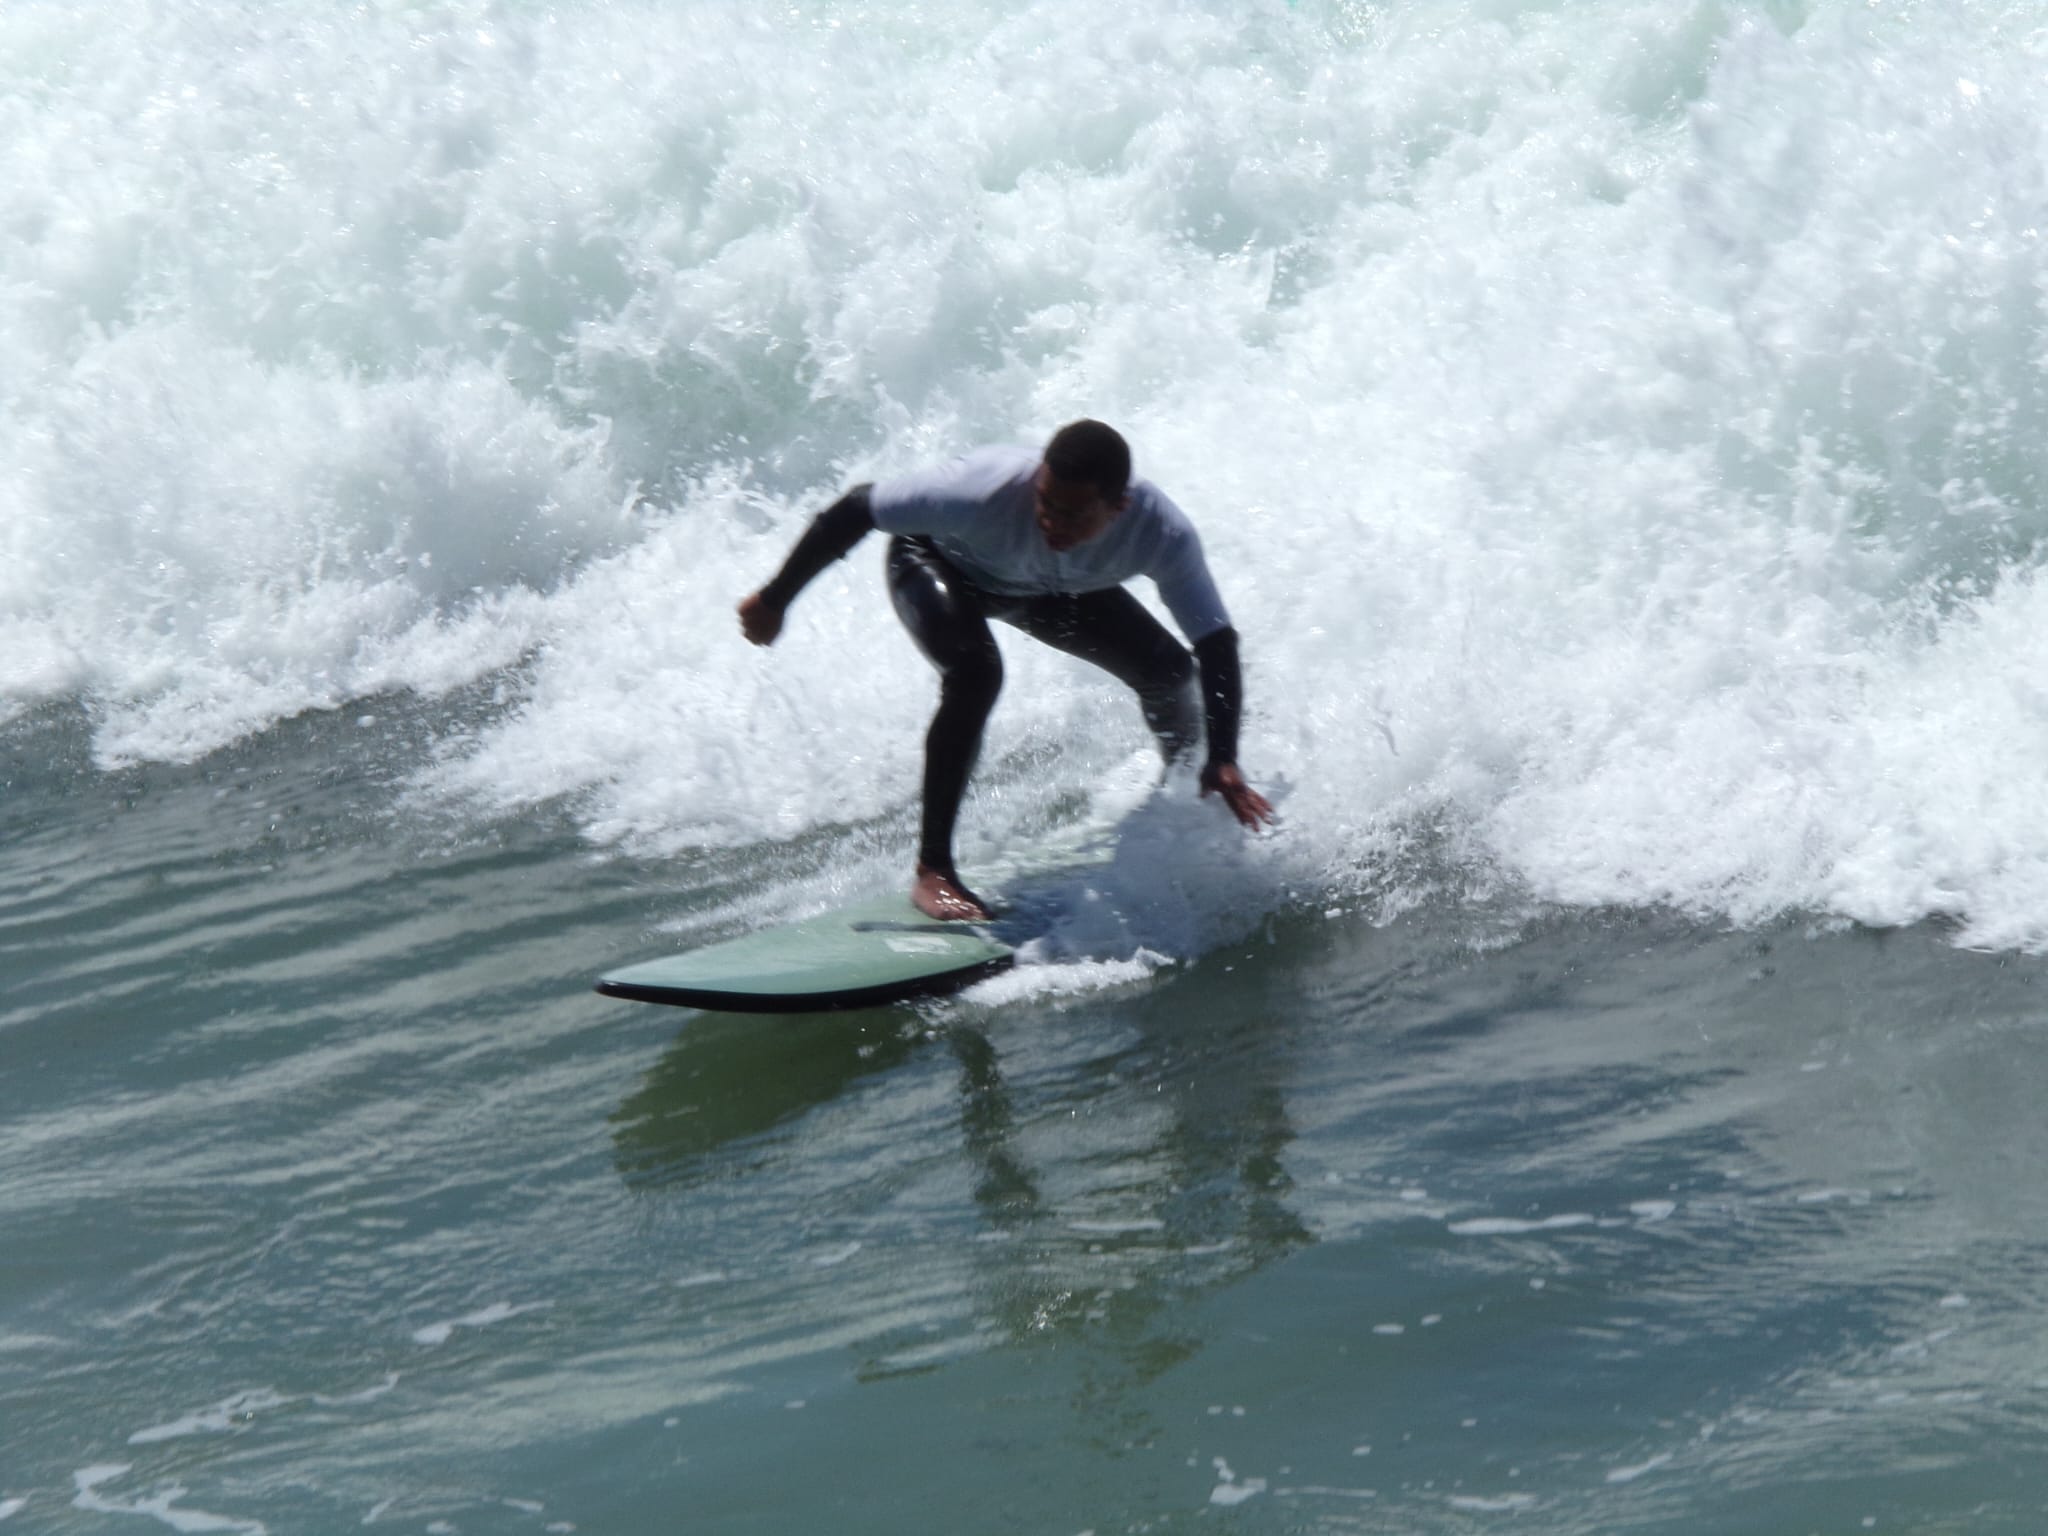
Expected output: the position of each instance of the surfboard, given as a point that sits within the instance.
(861, 956)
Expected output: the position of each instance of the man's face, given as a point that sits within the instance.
(1072, 512)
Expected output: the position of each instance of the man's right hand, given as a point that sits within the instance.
(760, 619)
(1251, 808)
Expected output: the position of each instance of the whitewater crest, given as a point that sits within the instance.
(1616, 429)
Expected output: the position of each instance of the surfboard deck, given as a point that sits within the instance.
(860, 956)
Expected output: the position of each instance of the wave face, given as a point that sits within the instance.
(1618, 426)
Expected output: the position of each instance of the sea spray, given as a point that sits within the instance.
(1616, 427)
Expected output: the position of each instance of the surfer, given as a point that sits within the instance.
(1043, 543)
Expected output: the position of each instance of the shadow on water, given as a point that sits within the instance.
(1115, 1159)
(1112, 1191)
(728, 1078)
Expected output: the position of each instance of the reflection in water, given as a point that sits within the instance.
(1004, 1188)
(1076, 1197)
(729, 1077)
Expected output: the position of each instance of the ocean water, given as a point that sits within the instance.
(1609, 1102)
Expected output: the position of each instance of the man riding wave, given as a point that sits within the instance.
(1044, 543)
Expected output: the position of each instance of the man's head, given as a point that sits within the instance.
(1083, 483)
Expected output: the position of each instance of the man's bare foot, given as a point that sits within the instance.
(943, 897)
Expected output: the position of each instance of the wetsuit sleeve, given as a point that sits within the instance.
(1222, 693)
(832, 533)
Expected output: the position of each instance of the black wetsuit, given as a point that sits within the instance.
(947, 615)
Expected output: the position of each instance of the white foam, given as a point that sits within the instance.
(923, 1357)
(483, 1317)
(161, 1506)
(1615, 433)
(367, 1395)
(1228, 1494)
(1642, 1469)
(230, 1413)
(1036, 979)
(1510, 1226)
(12, 1507)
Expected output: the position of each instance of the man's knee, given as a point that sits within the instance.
(1169, 699)
(971, 676)
(1169, 673)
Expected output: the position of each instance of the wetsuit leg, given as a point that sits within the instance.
(943, 613)
(1112, 629)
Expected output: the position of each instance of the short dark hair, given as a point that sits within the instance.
(1093, 452)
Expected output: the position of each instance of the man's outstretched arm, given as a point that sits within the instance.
(831, 534)
(1222, 708)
